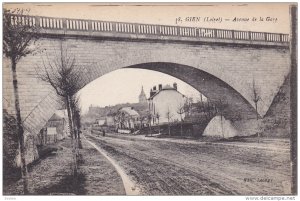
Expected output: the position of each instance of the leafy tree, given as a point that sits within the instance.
(18, 35)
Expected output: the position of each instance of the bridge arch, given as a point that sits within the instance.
(213, 69)
(209, 85)
(226, 61)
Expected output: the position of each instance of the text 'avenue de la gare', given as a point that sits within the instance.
(221, 19)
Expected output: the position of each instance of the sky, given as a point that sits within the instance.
(124, 85)
(167, 14)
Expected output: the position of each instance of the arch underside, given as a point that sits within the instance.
(220, 72)
(210, 86)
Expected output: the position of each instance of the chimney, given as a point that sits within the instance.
(160, 87)
(175, 85)
(152, 93)
(154, 88)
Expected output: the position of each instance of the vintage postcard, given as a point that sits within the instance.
(150, 99)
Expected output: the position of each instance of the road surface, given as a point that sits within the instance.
(162, 167)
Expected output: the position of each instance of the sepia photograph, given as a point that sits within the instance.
(149, 99)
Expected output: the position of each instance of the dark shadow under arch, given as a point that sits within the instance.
(210, 86)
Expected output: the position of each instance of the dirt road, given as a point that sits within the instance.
(160, 167)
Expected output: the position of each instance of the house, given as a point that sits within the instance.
(101, 121)
(52, 134)
(127, 118)
(57, 127)
(166, 103)
(110, 119)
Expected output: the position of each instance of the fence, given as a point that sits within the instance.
(144, 29)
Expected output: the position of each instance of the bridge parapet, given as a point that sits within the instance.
(66, 24)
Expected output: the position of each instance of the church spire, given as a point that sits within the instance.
(142, 96)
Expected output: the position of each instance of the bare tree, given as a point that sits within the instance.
(76, 109)
(18, 34)
(149, 117)
(206, 109)
(188, 105)
(181, 111)
(120, 119)
(255, 97)
(221, 107)
(64, 76)
(169, 116)
(157, 116)
(142, 118)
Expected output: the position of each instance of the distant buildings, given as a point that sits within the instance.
(56, 128)
(110, 119)
(127, 118)
(166, 103)
(106, 120)
(101, 121)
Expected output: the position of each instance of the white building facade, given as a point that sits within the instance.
(165, 104)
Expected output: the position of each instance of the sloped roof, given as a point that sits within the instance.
(130, 111)
(167, 87)
(58, 115)
(61, 113)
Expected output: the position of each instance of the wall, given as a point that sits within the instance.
(234, 65)
(168, 100)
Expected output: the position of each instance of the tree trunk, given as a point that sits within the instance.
(169, 129)
(256, 110)
(181, 128)
(222, 130)
(71, 126)
(76, 130)
(158, 127)
(258, 134)
(181, 125)
(20, 129)
(150, 128)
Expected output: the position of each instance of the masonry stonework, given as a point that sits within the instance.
(210, 68)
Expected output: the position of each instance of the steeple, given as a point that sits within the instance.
(142, 96)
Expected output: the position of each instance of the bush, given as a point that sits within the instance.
(10, 149)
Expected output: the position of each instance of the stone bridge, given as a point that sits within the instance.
(221, 64)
